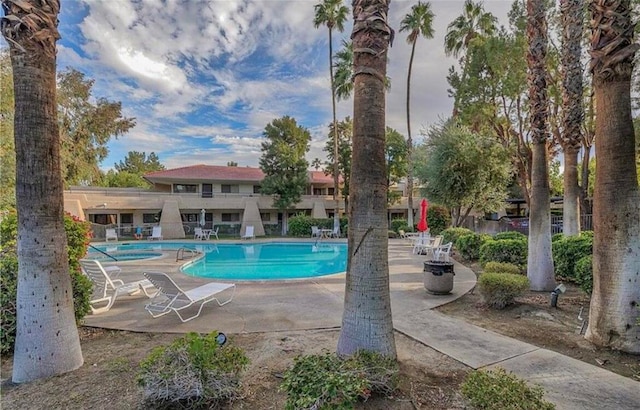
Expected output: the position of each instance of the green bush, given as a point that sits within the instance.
(400, 224)
(556, 237)
(328, 382)
(78, 236)
(500, 289)
(499, 390)
(438, 218)
(192, 372)
(300, 225)
(502, 267)
(584, 273)
(508, 250)
(567, 251)
(452, 234)
(510, 235)
(469, 245)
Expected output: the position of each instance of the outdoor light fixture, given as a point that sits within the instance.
(555, 293)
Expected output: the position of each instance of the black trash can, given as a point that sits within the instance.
(438, 277)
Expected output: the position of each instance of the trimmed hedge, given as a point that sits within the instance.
(452, 234)
(469, 245)
(438, 218)
(502, 267)
(500, 289)
(507, 250)
(300, 225)
(567, 251)
(584, 273)
(510, 235)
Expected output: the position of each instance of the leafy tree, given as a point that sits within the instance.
(138, 163)
(283, 162)
(333, 14)
(418, 23)
(396, 156)
(463, 170)
(7, 147)
(556, 180)
(47, 342)
(123, 179)
(85, 127)
(345, 133)
(366, 320)
(232, 164)
(616, 262)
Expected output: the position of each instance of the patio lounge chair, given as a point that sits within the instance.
(248, 233)
(214, 232)
(170, 298)
(110, 234)
(106, 288)
(442, 252)
(156, 233)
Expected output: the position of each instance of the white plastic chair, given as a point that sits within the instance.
(315, 232)
(214, 232)
(171, 298)
(248, 233)
(198, 234)
(443, 252)
(427, 245)
(156, 233)
(106, 288)
(111, 234)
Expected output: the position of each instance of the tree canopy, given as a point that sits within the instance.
(462, 169)
(283, 161)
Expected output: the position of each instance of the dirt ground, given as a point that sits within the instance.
(428, 379)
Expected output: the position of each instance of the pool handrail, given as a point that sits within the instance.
(103, 252)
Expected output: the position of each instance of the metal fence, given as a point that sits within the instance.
(481, 225)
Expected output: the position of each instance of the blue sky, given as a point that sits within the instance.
(203, 79)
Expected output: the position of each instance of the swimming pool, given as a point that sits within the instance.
(122, 256)
(254, 261)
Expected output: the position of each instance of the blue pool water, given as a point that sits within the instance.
(122, 256)
(254, 261)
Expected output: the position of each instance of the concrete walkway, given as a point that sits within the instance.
(317, 304)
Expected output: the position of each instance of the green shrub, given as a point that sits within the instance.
(499, 390)
(300, 225)
(192, 372)
(328, 382)
(567, 251)
(400, 224)
(500, 289)
(438, 218)
(508, 250)
(510, 235)
(78, 236)
(556, 237)
(502, 267)
(584, 273)
(588, 234)
(469, 245)
(452, 234)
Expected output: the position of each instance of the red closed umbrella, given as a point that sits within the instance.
(422, 225)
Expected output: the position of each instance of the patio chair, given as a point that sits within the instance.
(107, 288)
(156, 233)
(315, 232)
(248, 233)
(198, 234)
(425, 245)
(336, 232)
(171, 298)
(111, 234)
(214, 232)
(442, 252)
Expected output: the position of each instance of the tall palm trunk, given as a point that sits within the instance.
(47, 341)
(336, 192)
(572, 28)
(366, 320)
(613, 314)
(539, 263)
(410, 142)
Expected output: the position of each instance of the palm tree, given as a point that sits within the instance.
(540, 263)
(333, 14)
(472, 24)
(47, 341)
(366, 320)
(418, 22)
(614, 313)
(572, 15)
(344, 71)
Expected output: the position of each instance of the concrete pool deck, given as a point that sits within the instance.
(317, 303)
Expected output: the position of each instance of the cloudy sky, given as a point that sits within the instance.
(203, 78)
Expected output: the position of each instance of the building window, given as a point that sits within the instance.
(256, 189)
(126, 219)
(317, 191)
(231, 217)
(151, 218)
(265, 216)
(185, 189)
(207, 190)
(230, 189)
(104, 219)
(330, 191)
(190, 217)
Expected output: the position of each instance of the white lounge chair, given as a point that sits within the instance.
(214, 232)
(171, 298)
(442, 252)
(110, 234)
(106, 288)
(156, 233)
(248, 233)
